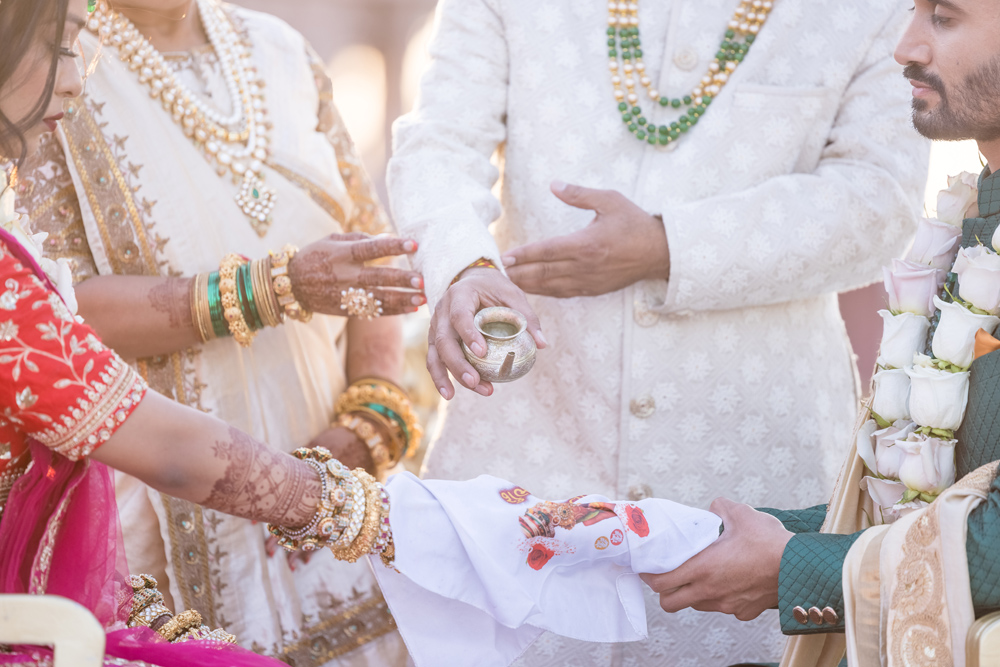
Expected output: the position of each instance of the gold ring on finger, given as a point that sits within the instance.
(359, 303)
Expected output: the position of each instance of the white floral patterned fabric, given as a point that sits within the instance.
(735, 377)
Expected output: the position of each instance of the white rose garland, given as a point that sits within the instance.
(919, 401)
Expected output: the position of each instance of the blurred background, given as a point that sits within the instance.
(375, 51)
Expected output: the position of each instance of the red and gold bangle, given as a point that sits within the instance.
(481, 263)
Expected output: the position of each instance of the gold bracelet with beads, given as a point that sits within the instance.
(383, 455)
(281, 283)
(364, 543)
(232, 310)
(368, 392)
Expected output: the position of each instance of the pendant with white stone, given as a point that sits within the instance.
(256, 200)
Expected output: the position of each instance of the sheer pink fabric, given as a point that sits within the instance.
(60, 536)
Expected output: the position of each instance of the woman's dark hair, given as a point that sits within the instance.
(22, 22)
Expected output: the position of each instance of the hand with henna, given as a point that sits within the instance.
(321, 271)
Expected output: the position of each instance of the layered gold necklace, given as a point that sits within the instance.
(236, 143)
(628, 69)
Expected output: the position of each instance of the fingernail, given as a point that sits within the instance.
(468, 380)
(478, 349)
(483, 391)
(542, 339)
(509, 261)
(558, 186)
(410, 246)
(416, 283)
(444, 393)
(413, 310)
(292, 566)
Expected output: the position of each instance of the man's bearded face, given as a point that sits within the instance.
(968, 108)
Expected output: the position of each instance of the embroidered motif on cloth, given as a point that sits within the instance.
(60, 384)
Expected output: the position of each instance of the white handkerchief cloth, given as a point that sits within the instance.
(483, 567)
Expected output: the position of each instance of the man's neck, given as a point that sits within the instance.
(169, 30)
(991, 151)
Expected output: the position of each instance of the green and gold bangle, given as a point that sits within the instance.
(399, 421)
(219, 325)
(244, 282)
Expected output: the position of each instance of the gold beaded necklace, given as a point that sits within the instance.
(237, 143)
(624, 43)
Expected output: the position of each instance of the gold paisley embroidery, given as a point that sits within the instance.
(921, 630)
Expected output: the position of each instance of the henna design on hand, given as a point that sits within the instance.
(173, 297)
(315, 282)
(263, 484)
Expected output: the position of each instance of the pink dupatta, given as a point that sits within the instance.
(60, 535)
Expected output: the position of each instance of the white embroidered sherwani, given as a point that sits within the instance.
(735, 377)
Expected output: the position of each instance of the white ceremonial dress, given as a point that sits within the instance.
(734, 378)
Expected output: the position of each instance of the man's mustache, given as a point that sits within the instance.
(915, 72)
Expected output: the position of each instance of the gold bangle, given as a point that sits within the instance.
(263, 294)
(363, 543)
(195, 311)
(230, 301)
(381, 392)
(199, 308)
(179, 624)
(382, 455)
(397, 441)
(281, 283)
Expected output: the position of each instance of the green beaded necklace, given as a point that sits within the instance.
(623, 40)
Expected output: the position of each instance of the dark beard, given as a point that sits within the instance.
(968, 111)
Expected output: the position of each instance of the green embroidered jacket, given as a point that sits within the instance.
(812, 562)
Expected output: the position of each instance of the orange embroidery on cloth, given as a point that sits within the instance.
(515, 495)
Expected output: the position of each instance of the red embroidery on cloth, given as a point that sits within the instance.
(617, 537)
(636, 521)
(539, 556)
(58, 383)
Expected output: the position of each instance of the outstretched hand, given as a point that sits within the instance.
(621, 246)
(737, 574)
(453, 322)
(323, 269)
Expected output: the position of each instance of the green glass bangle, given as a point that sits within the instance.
(219, 325)
(244, 285)
(386, 412)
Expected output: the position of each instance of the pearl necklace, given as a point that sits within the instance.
(237, 142)
(623, 34)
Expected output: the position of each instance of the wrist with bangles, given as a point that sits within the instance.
(380, 414)
(352, 517)
(148, 610)
(244, 296)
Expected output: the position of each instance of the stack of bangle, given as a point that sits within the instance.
(241, 298)
(352, 518)
(371, 400)
(148, 610)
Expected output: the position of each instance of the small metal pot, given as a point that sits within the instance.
(510, 349)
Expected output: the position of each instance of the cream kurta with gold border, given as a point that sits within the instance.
(144, 201)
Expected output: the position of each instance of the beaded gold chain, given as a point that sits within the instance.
(624, 43)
